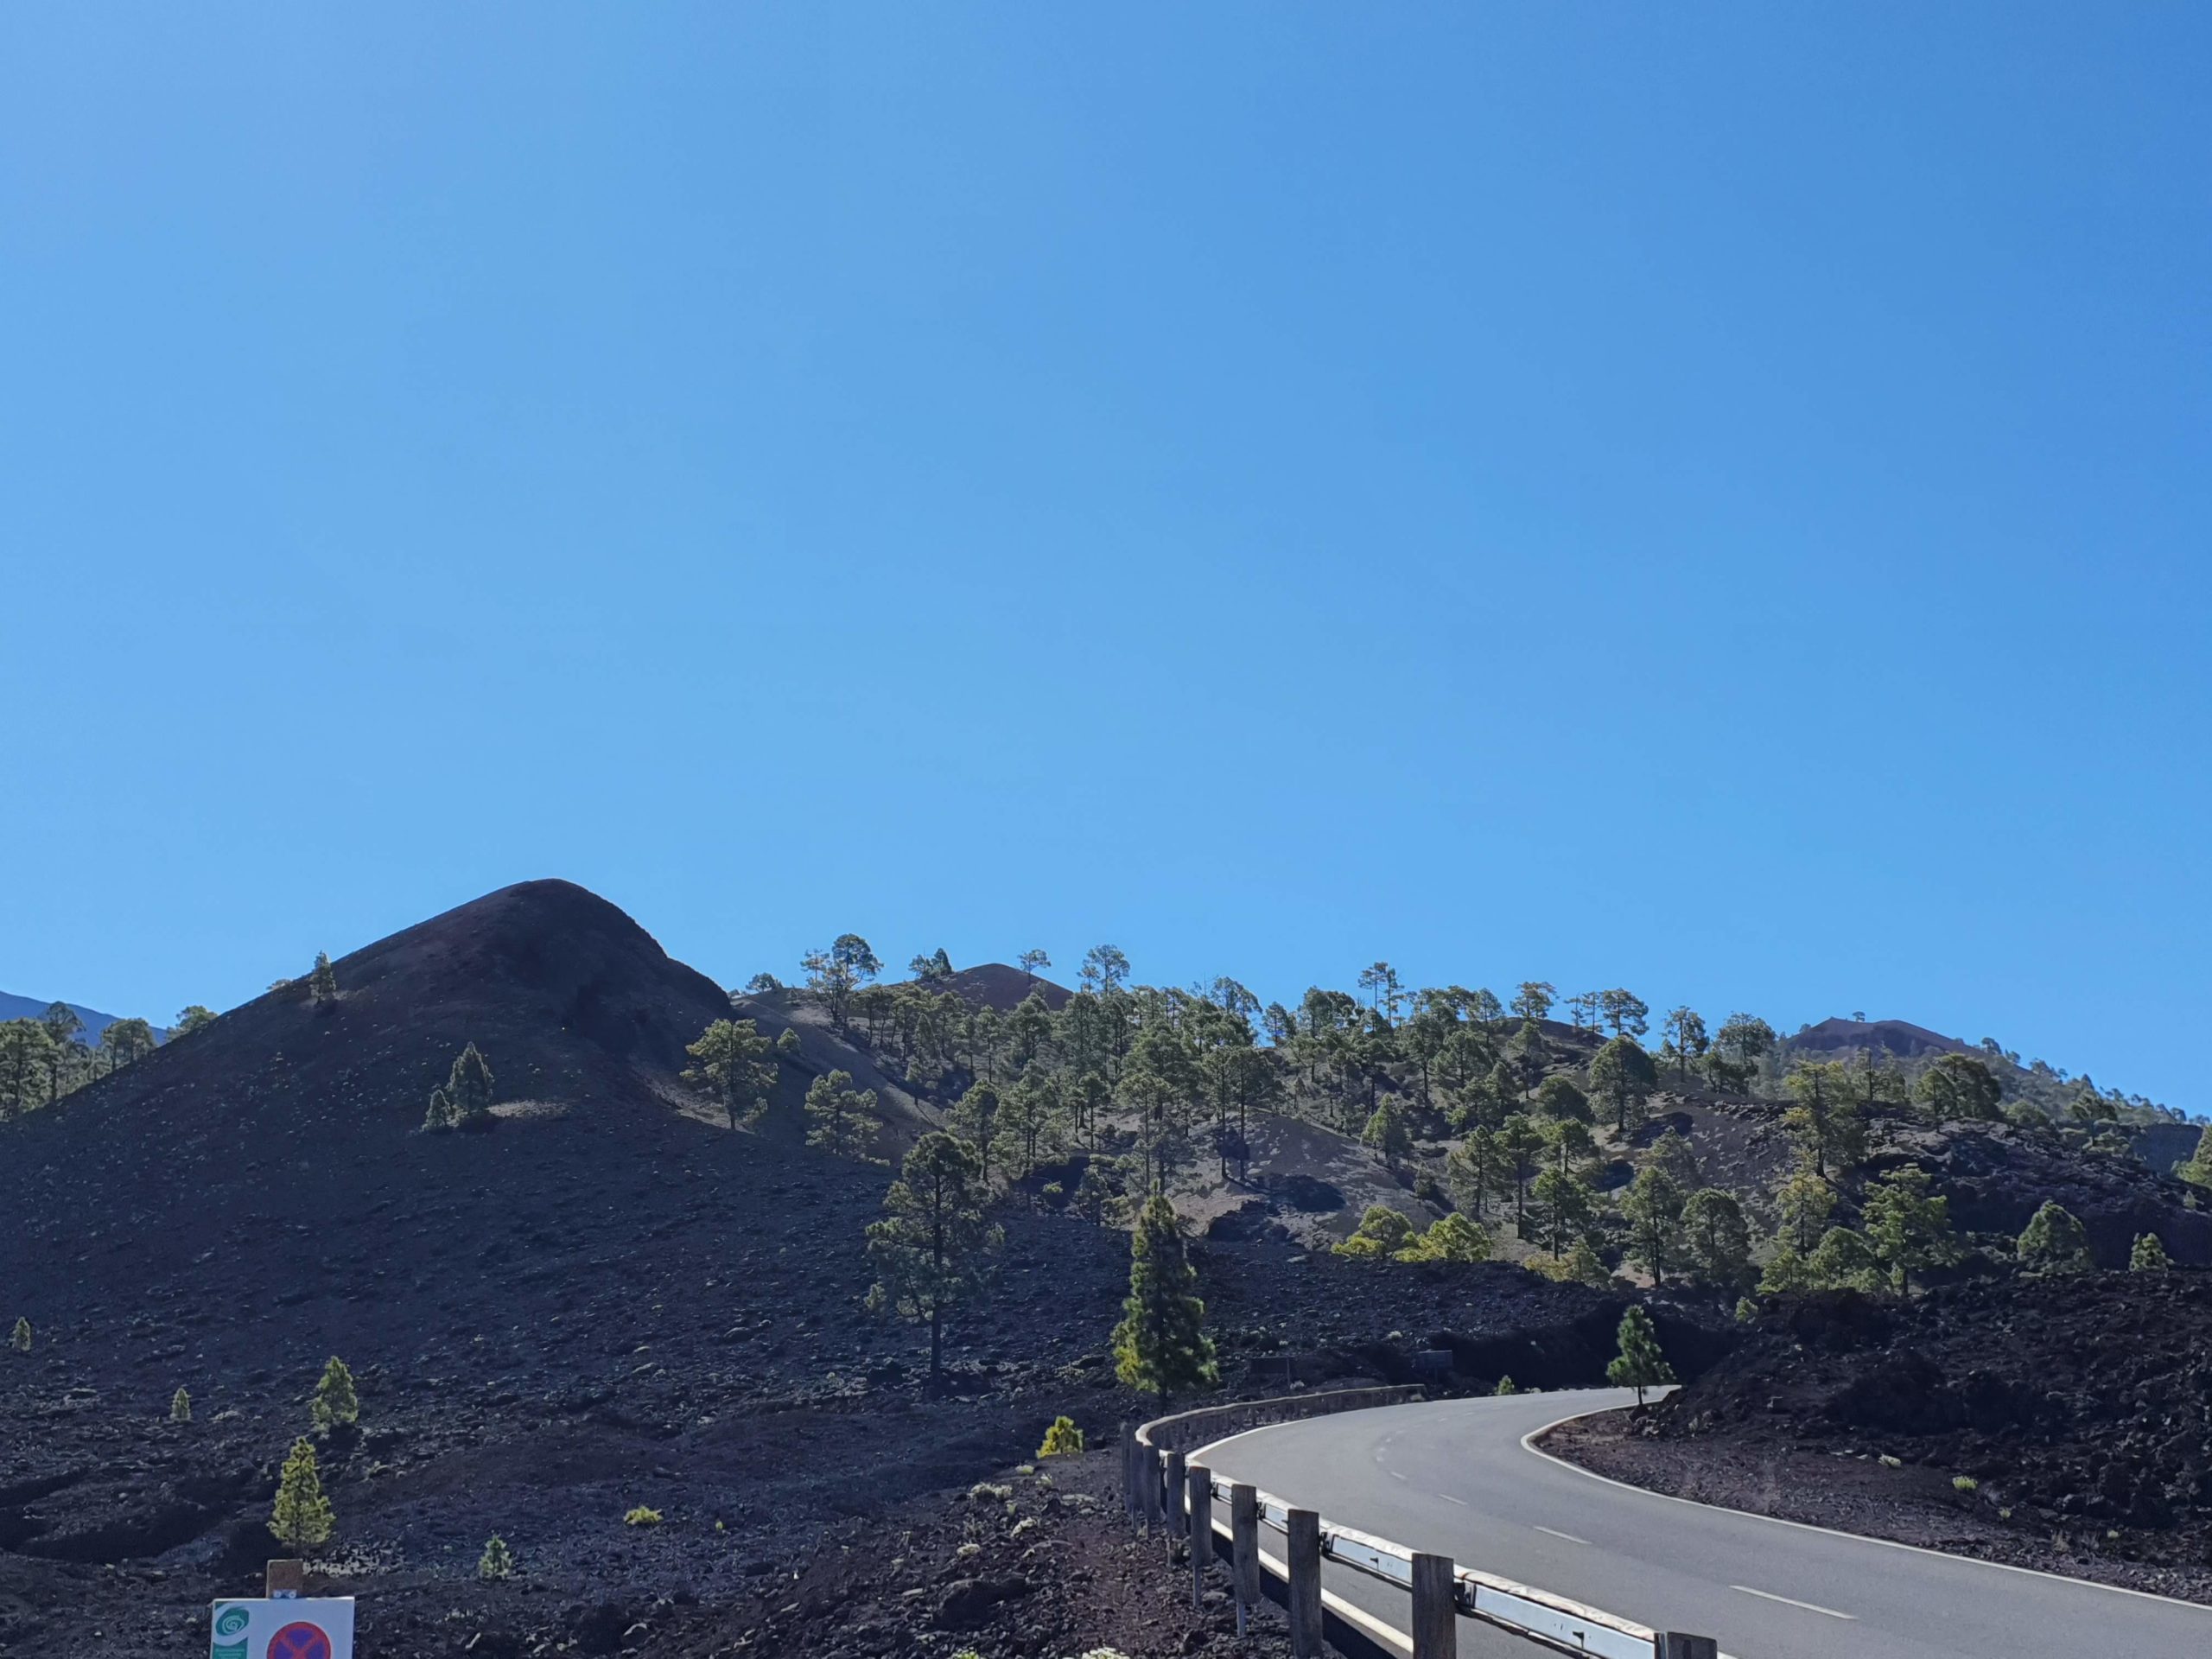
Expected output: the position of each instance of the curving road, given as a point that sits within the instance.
(1453, 1477)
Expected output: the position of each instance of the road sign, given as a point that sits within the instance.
(291, 1627)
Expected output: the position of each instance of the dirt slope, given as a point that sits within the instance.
(2058, 1423)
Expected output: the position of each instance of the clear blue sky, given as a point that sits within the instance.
(1710, 499)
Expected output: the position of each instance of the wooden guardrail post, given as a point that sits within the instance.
(1302, 1552)
(1672, 1644)
(1198, 1484)
(1435, 1627)
(1171, 1490)
(1128, 1467)
(1244, 1550)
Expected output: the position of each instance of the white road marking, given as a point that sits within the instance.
(1448, 1499)
(1788, 1601)
(1569, 1537)
(1394, 1474)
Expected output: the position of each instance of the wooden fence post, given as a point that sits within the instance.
(1128, 1468)
(1302, 1552)
(1171, 1490)
(1436, 1608)
(1244, 1550)
(1672, 1644)
(1199, 1484)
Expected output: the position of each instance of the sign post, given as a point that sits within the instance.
(283, 1627)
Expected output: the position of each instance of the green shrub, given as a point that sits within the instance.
(19, 1338)
(1505, 1386)
(1964, 1484)
(2149, 1255)
(334, 1404)
(642, 1516)
(497, 1562)
(180, 1407)
(1746, 1310)
(1062, 1439)
(1453, 1238)
(1382, 1233)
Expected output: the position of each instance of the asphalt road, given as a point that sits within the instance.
(1453, 1477)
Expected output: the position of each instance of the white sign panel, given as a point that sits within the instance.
(300, 1627)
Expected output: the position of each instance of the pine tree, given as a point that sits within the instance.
(1623, 1077)
(1505, 1386)
(2055, 1242)
(1476, 1172)
(440, 1117)
(1581, 1265)
(322, 983)
(975, 1119)
(930, 1249)
(1028, 1127)
(733, 1061)
(2198, 1170)
(1653, 1205)
(843, 1117)
(1719, 1238)
(334, 1404)
(1386, 1134)
(2149, 1255)
(497, 1562)
(19, 1338)
(1909, 1229)
(181, 1406)
(1642, 1365)
(1160, 1345)
(302, 1517)
(469, 1089)
(1785, 1269)
(1063, 1439)
(1847, 1261)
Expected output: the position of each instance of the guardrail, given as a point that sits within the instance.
(1162, 1488)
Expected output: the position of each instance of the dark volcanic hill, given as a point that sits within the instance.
(604, 1301)
(1898, 1037)
(998, 986)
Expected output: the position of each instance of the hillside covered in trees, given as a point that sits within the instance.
(595, 1238)
(1554, 1131)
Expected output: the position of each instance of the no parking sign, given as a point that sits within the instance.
(295, 1627)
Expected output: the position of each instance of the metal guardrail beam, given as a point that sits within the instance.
(1551, 1621)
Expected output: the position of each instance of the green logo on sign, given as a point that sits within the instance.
(232, 1621)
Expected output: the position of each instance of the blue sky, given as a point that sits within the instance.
(1708, 499)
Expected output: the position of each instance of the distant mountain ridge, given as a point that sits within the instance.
(29, 1007)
